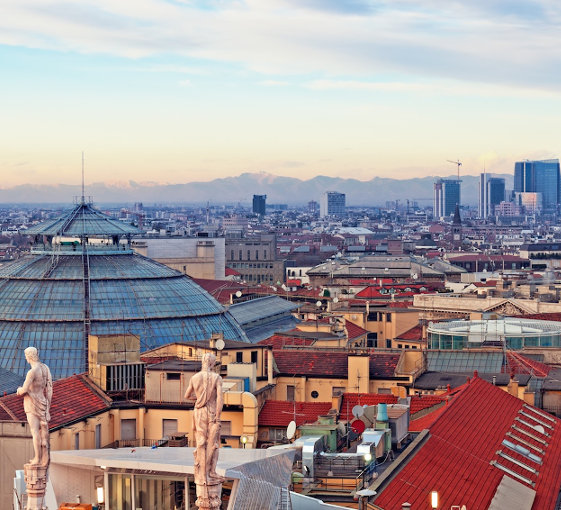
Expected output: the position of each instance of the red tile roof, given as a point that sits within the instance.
(418, 403)
(280, 341)
(456, 458)
(520, 364)
(415, 333)
(425, 421)
(74, 398)
(369, 399)
(354, 331)
(330, 364)
(278, 413)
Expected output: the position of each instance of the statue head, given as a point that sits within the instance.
(31, 354)
(209, 360)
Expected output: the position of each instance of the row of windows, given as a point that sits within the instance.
(258, 278)
(240, 255)
(252, 265)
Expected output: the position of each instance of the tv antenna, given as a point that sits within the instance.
(458, 163)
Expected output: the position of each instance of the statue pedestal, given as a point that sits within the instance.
(209, 497)
(36, 483)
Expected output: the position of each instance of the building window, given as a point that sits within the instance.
(240, 254)
(400, 346)
(232, 254)
(290, 393)
(239, 357)
(169, 427)
(265, 254)
(98, 436)
(248, 254)
(337, 391)
(173, 376)
(388, 343)
(77, 441)
(256, 254)
(384, 391)
(277, 434)
(388, 317)
(254, 356)
(314, 394)
(226, 428)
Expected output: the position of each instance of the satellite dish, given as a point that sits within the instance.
(415, 276)
(219, 345)
(239, 294)
(358, 411)
(291, 430)
(358, 426)
(336, 300)
(318, 303)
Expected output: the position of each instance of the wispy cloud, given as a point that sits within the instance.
(485, 41)
(274, 83)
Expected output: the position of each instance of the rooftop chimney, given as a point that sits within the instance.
(382, 415)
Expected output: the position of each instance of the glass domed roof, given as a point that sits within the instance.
(57, 295)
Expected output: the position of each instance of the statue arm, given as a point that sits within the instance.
(219, 399)
(49, 388)
(22, 390)
(190, 392)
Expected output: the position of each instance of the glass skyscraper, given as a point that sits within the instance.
(446, 196)
(539, 177)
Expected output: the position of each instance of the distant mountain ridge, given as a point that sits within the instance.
(240, 189)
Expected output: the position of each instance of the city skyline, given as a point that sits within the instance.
(174, 92)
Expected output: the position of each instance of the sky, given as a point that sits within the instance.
(174, 91)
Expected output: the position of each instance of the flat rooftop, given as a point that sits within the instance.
(231, 461)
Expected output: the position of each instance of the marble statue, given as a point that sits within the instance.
(37, 391)
(205, 388)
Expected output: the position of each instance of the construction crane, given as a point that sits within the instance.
(457, 162)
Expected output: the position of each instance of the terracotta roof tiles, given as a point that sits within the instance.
(279, 413)
(466, 440)
(74, 398)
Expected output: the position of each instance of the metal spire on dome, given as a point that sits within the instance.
(83, 186)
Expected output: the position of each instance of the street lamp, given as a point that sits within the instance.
(243, 439)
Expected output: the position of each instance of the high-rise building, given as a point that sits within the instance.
(446, 196)
(332, 204)
(313, 207)
(495, 193)
(482, 207)
(259, 204)
(539, 177)
(491, 194)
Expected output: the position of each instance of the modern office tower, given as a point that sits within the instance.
(446, 196)
(495, 193)
(482, 209)
(332, 204)
(539, 177)
(259, 204)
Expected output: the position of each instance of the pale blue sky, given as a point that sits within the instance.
(179, 91)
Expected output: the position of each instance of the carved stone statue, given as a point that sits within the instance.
(205, 388)
(37, 391)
